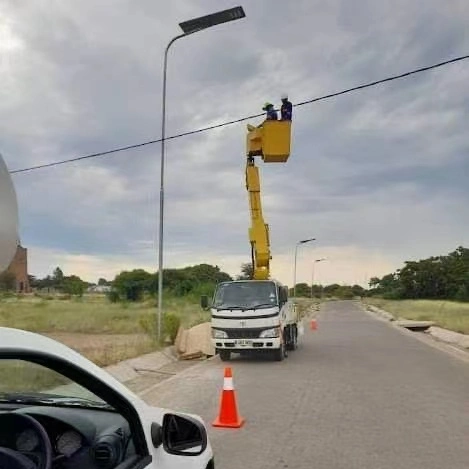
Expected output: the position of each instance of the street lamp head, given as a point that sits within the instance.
(207, 21)
(303, 241)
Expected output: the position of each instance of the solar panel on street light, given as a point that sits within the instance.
(207, 21)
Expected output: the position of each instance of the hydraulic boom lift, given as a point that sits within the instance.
(255, 315)
(270, 141)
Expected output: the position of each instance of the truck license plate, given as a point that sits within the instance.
(244, 343)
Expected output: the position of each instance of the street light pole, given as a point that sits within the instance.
(304, 241)
(312, 274)
(188, 27)
(161, 220)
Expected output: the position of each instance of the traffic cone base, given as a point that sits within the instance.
(238, 424)
(228, 416)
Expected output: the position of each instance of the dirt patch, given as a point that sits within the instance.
(106, 349)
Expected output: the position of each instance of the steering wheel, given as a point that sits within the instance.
(19, 460)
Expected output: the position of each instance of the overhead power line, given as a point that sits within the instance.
(236, 121)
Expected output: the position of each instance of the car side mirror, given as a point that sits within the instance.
(156, 434)
(204, 302)
(183, 436)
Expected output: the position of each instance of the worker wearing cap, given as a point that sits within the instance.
(287, 109)
(271, 112)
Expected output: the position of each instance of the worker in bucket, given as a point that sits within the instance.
(271, 113)
(287, 109)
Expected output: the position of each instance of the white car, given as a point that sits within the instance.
(58, 409)
(55, 405)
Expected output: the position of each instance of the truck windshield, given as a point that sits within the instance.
(244, 295)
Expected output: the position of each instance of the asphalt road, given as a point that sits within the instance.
(356, 394)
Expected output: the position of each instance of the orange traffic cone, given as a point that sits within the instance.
(228, 416)
(314, 324)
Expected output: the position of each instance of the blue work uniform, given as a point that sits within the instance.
(272, 115)
(286, 111)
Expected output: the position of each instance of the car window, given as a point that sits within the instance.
(21, 376)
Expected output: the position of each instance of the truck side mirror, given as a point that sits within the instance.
(283, 295)
(183, 436)
(204, 302)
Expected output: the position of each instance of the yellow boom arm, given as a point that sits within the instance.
(259, 230)
(271, 141)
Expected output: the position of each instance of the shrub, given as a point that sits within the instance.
(113, 296)
(171, 324)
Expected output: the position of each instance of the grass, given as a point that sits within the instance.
(303, 304)
(447, 314)
(102, 331)
(18, 376)
(92, 314)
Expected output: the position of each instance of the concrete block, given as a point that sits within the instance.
(415, 325)
(150, 362)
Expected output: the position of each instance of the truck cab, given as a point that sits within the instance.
(250, 316)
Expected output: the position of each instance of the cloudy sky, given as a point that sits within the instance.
(378, 176)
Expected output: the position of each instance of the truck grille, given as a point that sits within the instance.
(243, 333)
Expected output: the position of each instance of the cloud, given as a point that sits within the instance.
(377, 176)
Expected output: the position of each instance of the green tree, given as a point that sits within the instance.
(462, 294)
(357, 290)
(317, 290)
(131, 285)
(33, 281)
(58, 275)
(73, 285)
(303, 290)
(374, 282)
(247, 271)
(437, 277)
(205, 273)
(197, 279)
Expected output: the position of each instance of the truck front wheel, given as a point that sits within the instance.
(280, 353)
(294, 338)
(225, 355)
(291, 337)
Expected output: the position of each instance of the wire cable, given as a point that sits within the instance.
(242, 119)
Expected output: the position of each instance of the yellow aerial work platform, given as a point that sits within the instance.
(271, 140)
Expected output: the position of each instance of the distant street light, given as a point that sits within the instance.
(312, 273)
(188, 27)
(304, 241)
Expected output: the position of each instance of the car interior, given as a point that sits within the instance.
(47, 421)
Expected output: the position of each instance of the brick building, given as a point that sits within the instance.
(19, 268)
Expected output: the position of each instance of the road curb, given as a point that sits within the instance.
(129, 369)
(427, 339)
(176, 376)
